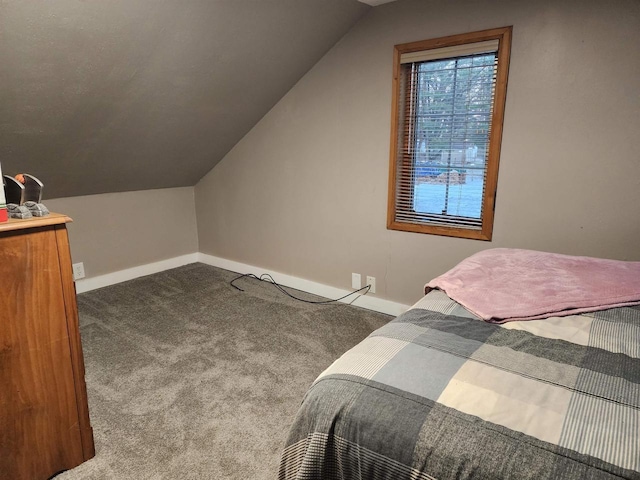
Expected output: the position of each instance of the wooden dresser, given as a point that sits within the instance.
(44, 417)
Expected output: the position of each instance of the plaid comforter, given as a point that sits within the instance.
(439, 394)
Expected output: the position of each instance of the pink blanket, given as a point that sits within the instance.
(503, 284)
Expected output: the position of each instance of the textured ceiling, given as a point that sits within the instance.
(375, 3)
(105, 96)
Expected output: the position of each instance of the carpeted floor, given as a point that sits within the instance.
(189, 378)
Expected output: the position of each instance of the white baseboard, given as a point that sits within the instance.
(100, 281)
(365, 301)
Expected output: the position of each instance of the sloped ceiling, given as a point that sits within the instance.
(106, 96)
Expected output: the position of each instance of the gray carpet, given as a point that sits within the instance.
(189, 378)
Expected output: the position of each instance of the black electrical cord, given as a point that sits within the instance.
(265, 277)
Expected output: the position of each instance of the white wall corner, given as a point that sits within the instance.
(364, 301)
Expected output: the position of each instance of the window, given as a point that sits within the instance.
(448, 107)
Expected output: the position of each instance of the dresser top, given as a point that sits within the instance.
(17, 224)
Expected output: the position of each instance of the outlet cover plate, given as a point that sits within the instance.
(371, 281)
(78, 271)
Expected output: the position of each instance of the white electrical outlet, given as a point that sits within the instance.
(372, 282)
(78, 271)
(356, 281)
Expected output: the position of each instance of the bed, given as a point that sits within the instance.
(446, 391)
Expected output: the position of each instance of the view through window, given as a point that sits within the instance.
(452, 121)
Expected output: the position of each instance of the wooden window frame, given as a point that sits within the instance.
(503, 35)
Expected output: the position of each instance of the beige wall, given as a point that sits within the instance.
(305, 192)
(116, 231)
